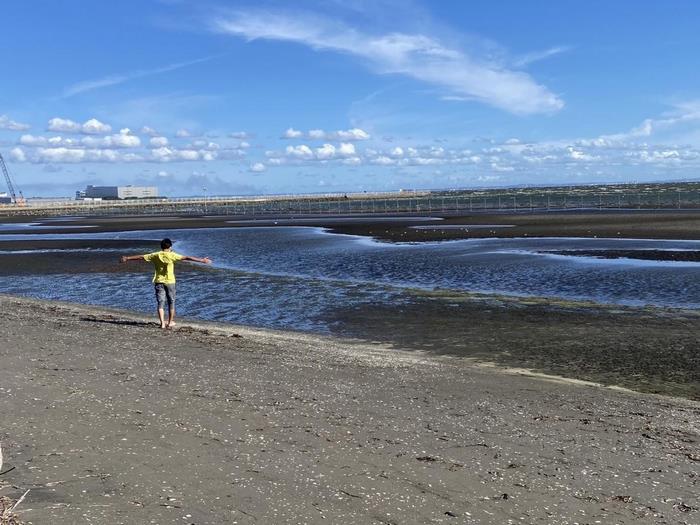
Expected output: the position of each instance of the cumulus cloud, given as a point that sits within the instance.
(62, 125)
(353, 134)
(167, 154)
(346, 150)
(95, 127)
(158, 142)
(292, 133)
(300, 152)
(325, 152)
(89, 127)
(147, 130)
(183, 133)
(63, 154)
(7, 123)
(17, 154)
(124, 139)
(203, 144)
(419, 56)
(120, 140)
(241, 135)
(257, 167)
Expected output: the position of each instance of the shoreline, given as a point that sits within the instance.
(112, 420)
(646, 349)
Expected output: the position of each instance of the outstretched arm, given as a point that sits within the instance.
(203, 260)
(126, 258)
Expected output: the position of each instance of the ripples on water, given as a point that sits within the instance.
(292, 277)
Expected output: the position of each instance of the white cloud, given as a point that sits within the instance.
(17, 154)
(418, 56)
(89, 127)
(124, 139)
(580, 155)
(62, 125)
(32, 140)
(63, 154)
(7, 123)
(201, 144)
(158, 142)
(529, 58)
(95, 127)
(258, 167)
(325, 152)
(498, 167)
(147, 130)
(300, 152)
(383, 161)
(346, 150)
(241, 135)
(292, 133)
(121, 140)
(168, 154)
(351, 134)
(182, 133)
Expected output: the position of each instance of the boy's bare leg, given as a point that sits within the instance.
(161, 317)
(171, 317)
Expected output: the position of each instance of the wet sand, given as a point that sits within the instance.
(651, 350)
(107, 419)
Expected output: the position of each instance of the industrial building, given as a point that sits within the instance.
(5, 198)
(117, 192)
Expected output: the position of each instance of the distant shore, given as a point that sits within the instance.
(636, 224)
(106, 418)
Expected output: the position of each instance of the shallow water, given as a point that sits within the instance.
(294, 277)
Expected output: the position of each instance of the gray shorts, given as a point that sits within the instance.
(165, 293)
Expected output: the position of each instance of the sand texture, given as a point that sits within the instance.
(109, 420)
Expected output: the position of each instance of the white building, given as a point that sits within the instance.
(117, 192)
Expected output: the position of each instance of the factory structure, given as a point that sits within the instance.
(113, 193)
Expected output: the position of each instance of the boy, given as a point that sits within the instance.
(164, 277)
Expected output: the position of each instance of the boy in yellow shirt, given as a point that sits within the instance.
(164, 277)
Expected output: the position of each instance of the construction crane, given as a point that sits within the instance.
(17, 200)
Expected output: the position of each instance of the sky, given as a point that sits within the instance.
(229, 97)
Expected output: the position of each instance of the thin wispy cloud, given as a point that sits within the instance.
(113, 80)
(415, 55)
(536, 56)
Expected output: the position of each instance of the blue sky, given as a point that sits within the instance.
(347, 95)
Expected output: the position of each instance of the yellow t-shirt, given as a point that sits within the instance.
(164, 267)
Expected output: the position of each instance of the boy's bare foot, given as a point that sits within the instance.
(171, 324)
(163, 326)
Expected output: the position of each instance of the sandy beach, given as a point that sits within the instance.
(107, 419)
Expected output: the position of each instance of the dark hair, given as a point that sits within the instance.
(165, 244)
